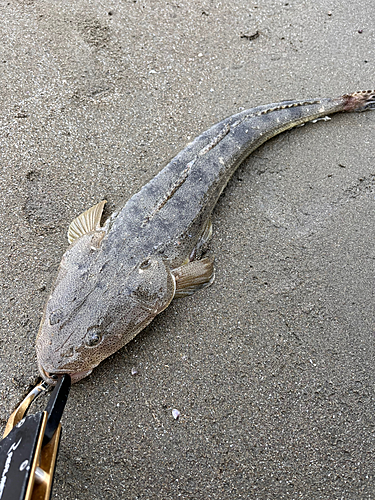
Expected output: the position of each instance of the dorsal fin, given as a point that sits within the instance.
(86, 222)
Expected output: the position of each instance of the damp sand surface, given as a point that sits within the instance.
(260, 386)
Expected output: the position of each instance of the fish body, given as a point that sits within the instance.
(114, 279)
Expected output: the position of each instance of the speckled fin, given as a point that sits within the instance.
(194, 276)
(86, 222)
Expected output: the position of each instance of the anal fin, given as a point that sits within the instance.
(194, 276)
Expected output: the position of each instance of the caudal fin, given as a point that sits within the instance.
(359, 101)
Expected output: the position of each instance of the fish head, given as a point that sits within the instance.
(96, 307)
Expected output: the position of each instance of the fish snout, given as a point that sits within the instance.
(50, 378)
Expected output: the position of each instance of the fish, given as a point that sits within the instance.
(115, 277)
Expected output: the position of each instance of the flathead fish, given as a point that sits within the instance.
(116, 277)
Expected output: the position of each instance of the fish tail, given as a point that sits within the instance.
(359, 101)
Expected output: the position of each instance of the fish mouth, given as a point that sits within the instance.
(51, 378)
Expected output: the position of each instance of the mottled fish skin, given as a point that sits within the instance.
(113, 280)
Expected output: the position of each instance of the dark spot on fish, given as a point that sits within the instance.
(143, 293)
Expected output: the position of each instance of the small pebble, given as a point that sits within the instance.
(134, 370)
(200, 54)
(175, 414)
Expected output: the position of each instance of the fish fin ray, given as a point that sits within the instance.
(206, 235)
(201, 246)
(194, 276)
(86, 222)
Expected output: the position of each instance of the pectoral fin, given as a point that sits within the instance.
(86, 222)
(194, 276)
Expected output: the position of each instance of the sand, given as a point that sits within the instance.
(271, 368)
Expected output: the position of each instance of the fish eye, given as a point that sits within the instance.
(145, 264)
(93, 338)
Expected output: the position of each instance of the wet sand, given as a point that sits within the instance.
(271, 368)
